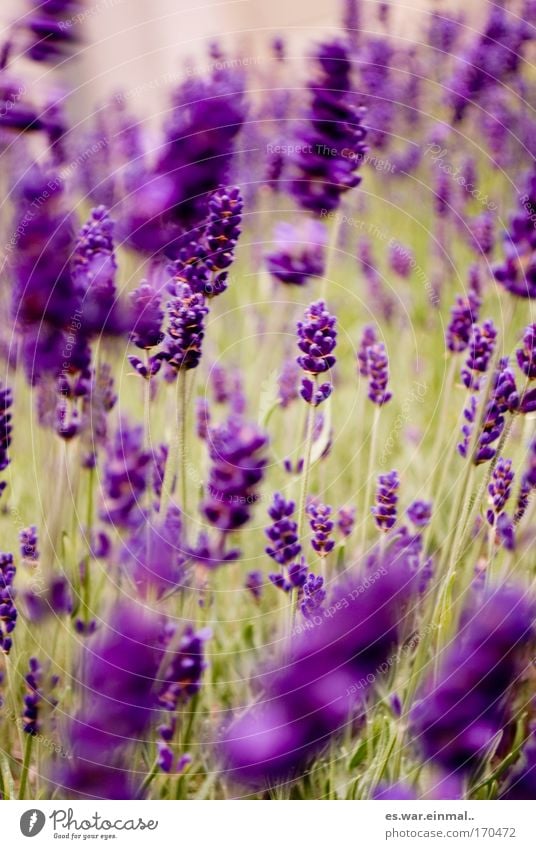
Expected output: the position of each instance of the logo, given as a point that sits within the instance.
(32, 822)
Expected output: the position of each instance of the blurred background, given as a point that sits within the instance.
(139, 45)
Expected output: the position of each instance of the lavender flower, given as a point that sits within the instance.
(309, 697)
(322, 527)
(183, 673)
(8, 611)
(528, 484)
(517, 272)
(125, 477)
(94, 268)
(223, 231)
(282, 534)
(313, 595)
(464, 315)
(299, 252)
(333, 138)
(526, 356)
(185, 332)
(457, 719)
(288, 382)
(500, 488)
(33, 697)
(254, 584)
(378, 374)
(119, 666)
(317, 337)
(420, 513)
(384, 511)
(346, 520)
(28, 544)
(6, 400)
(52, 29)
(368, 339)
(147, 317)
(236, 451)
(156, 556)
(479, 354)
(401, 259)
(202, 417)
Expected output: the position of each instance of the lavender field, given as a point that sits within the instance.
(267, 412)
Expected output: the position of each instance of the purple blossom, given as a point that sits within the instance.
(125, 477)
(401, 259)
(155, 556)
(368, 339)
(464, 315)
(384, 511)
(317, 337)
(480, 351)
(183, 671)
(202, 417)
(526, 356)
(284, 545)
(237, 454)
(517, 272)
(147, 317)
(378, 374)
(456, 719)
(332, 136)
(8, 610)
(420, 513)
(6, 400)
(313, 595)
(222, 233)
(500, 488)
(321, 526)
(299, 253)
(288, 382)
(309, 697)
(185, 331)
(52, 29)
(28, 544)
(346, 520)
(33, 697)
(255, 583)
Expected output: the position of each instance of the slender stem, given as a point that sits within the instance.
(306, 467)
(86, 584)
(370, 471)
(330, 252)
(172, 462)
(149, 778)
(25, 765)
(182, 440)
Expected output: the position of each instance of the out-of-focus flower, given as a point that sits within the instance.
(8, 611)
(456, 719)
(384, 511)
(332, 136)
(283, 532)
(299, 252)
(309, 696)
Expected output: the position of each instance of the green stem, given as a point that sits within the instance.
(149, 778)
(86, 587)
(370, 471)
(25, 765)
(182, 440)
